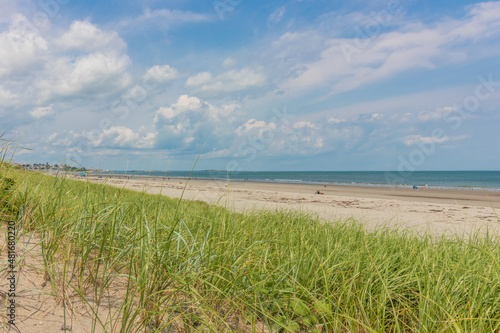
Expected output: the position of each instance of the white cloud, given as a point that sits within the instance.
(435, 114)
(412, 140)
(184, 104)
(41, 112)
(64, 141)
(199, 79)
(226, 111)
(411, 104)
(229, 62)
(21, 46)
(115, 137)
(96, 74)
(294, 50)
(162, 73)
(83, 61)
(7, 97)
(85, 36)
(350, 63)
(193, 122)
(176, 16)
(272, 139)
(302, 124)
(483, 21)
(164, 18)
(334, 120)
(89, 62)
(253, 124)
(232, 80)
(193, 106)
(277, 15)
(121, 136)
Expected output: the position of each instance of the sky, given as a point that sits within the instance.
(252, 85)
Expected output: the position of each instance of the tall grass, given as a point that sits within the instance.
(162, 264)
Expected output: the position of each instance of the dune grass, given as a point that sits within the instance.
(188, 266)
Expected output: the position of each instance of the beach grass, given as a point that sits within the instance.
(159, 264)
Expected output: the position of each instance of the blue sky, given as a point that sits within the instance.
(252, 85)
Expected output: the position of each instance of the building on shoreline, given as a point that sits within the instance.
(55, 167)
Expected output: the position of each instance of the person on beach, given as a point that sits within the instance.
(319, 192)
(325, 186)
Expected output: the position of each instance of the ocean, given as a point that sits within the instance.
(467, 180)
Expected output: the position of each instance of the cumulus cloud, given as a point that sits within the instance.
(185, 103)
(191, 123)
(98, 68)
(121, 136)
(95, 74)
(115, 137)
(85, 36)
(254, 124)
(21, 46)
(162, 73)
(82, 61)
(304, 138)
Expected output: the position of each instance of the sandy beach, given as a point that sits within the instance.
(431, 210)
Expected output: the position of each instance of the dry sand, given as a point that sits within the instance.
(430, 210)
(39, 301)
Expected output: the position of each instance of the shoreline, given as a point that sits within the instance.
(465, 196)
(303, 182)
(436, 211)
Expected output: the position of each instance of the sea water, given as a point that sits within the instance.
(471, 180)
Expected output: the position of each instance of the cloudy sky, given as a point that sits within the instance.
(252, 85)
